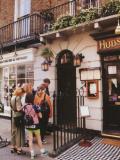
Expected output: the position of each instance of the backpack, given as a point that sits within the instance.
(28, 119)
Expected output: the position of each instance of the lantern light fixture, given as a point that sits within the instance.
(78, 59)
(117, 30)
(45, 66)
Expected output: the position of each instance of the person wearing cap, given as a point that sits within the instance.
(38, 100)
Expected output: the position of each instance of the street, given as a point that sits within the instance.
(98, 150)
(5, 132)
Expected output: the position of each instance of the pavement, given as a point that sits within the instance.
(5, 154)
(98, 150)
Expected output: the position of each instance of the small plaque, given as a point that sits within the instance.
(84, 111)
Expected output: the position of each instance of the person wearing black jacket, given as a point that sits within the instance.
(46, 82)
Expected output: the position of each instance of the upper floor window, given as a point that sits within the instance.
(90, 3)
(22, 8)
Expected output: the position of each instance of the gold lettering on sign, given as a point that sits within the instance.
(109, 44)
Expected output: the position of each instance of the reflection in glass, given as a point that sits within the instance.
(14, 75)
(114, 90)
(112, 86)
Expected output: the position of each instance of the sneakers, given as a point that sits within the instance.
(32, 155)
(45, 153)
(44, 141)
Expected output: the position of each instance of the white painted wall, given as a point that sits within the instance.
(77, 43)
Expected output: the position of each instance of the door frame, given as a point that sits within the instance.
(69, 65)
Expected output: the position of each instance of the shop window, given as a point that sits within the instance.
(13, 76)
(114, 91)
(21, 74)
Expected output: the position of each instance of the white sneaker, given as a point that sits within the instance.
(45, 153)
(32, 155)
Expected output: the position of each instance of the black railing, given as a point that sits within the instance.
(66, 134)
(38, 23)
(24, 27)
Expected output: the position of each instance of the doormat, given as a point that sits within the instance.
(109, 141)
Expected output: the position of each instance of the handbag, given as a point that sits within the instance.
(18, 120)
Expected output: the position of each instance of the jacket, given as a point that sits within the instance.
(16, 106)
(38, 100)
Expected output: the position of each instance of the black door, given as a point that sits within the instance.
(66, 90)
(111, 94)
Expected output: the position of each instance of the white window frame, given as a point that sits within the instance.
(22, 8)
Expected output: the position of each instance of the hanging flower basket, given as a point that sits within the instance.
(48, 55)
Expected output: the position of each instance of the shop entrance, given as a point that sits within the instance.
(111, 93)
(66, 88)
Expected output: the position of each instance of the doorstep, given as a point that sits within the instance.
(111, 134)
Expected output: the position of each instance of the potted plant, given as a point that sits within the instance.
(110, 8)
(47, 54)
(62, 22)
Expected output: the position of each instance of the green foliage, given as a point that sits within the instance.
(87, 15)
(46, 53)
(111, 8)
(62, 22)
(83, 16)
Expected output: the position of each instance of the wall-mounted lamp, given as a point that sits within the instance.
(78, 59)
(47, 62)
(45, 66)
(117, 30)
(64, 59)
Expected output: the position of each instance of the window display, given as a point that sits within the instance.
(13, 76)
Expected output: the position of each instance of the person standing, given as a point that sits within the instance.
(17, 136)
(27, 87)
(46, 82)
(33, 126)
(40, 98)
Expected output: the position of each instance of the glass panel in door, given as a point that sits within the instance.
(111, 92)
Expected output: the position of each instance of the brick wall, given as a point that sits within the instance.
(38, 5)
(6, 12)
(7, 8)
